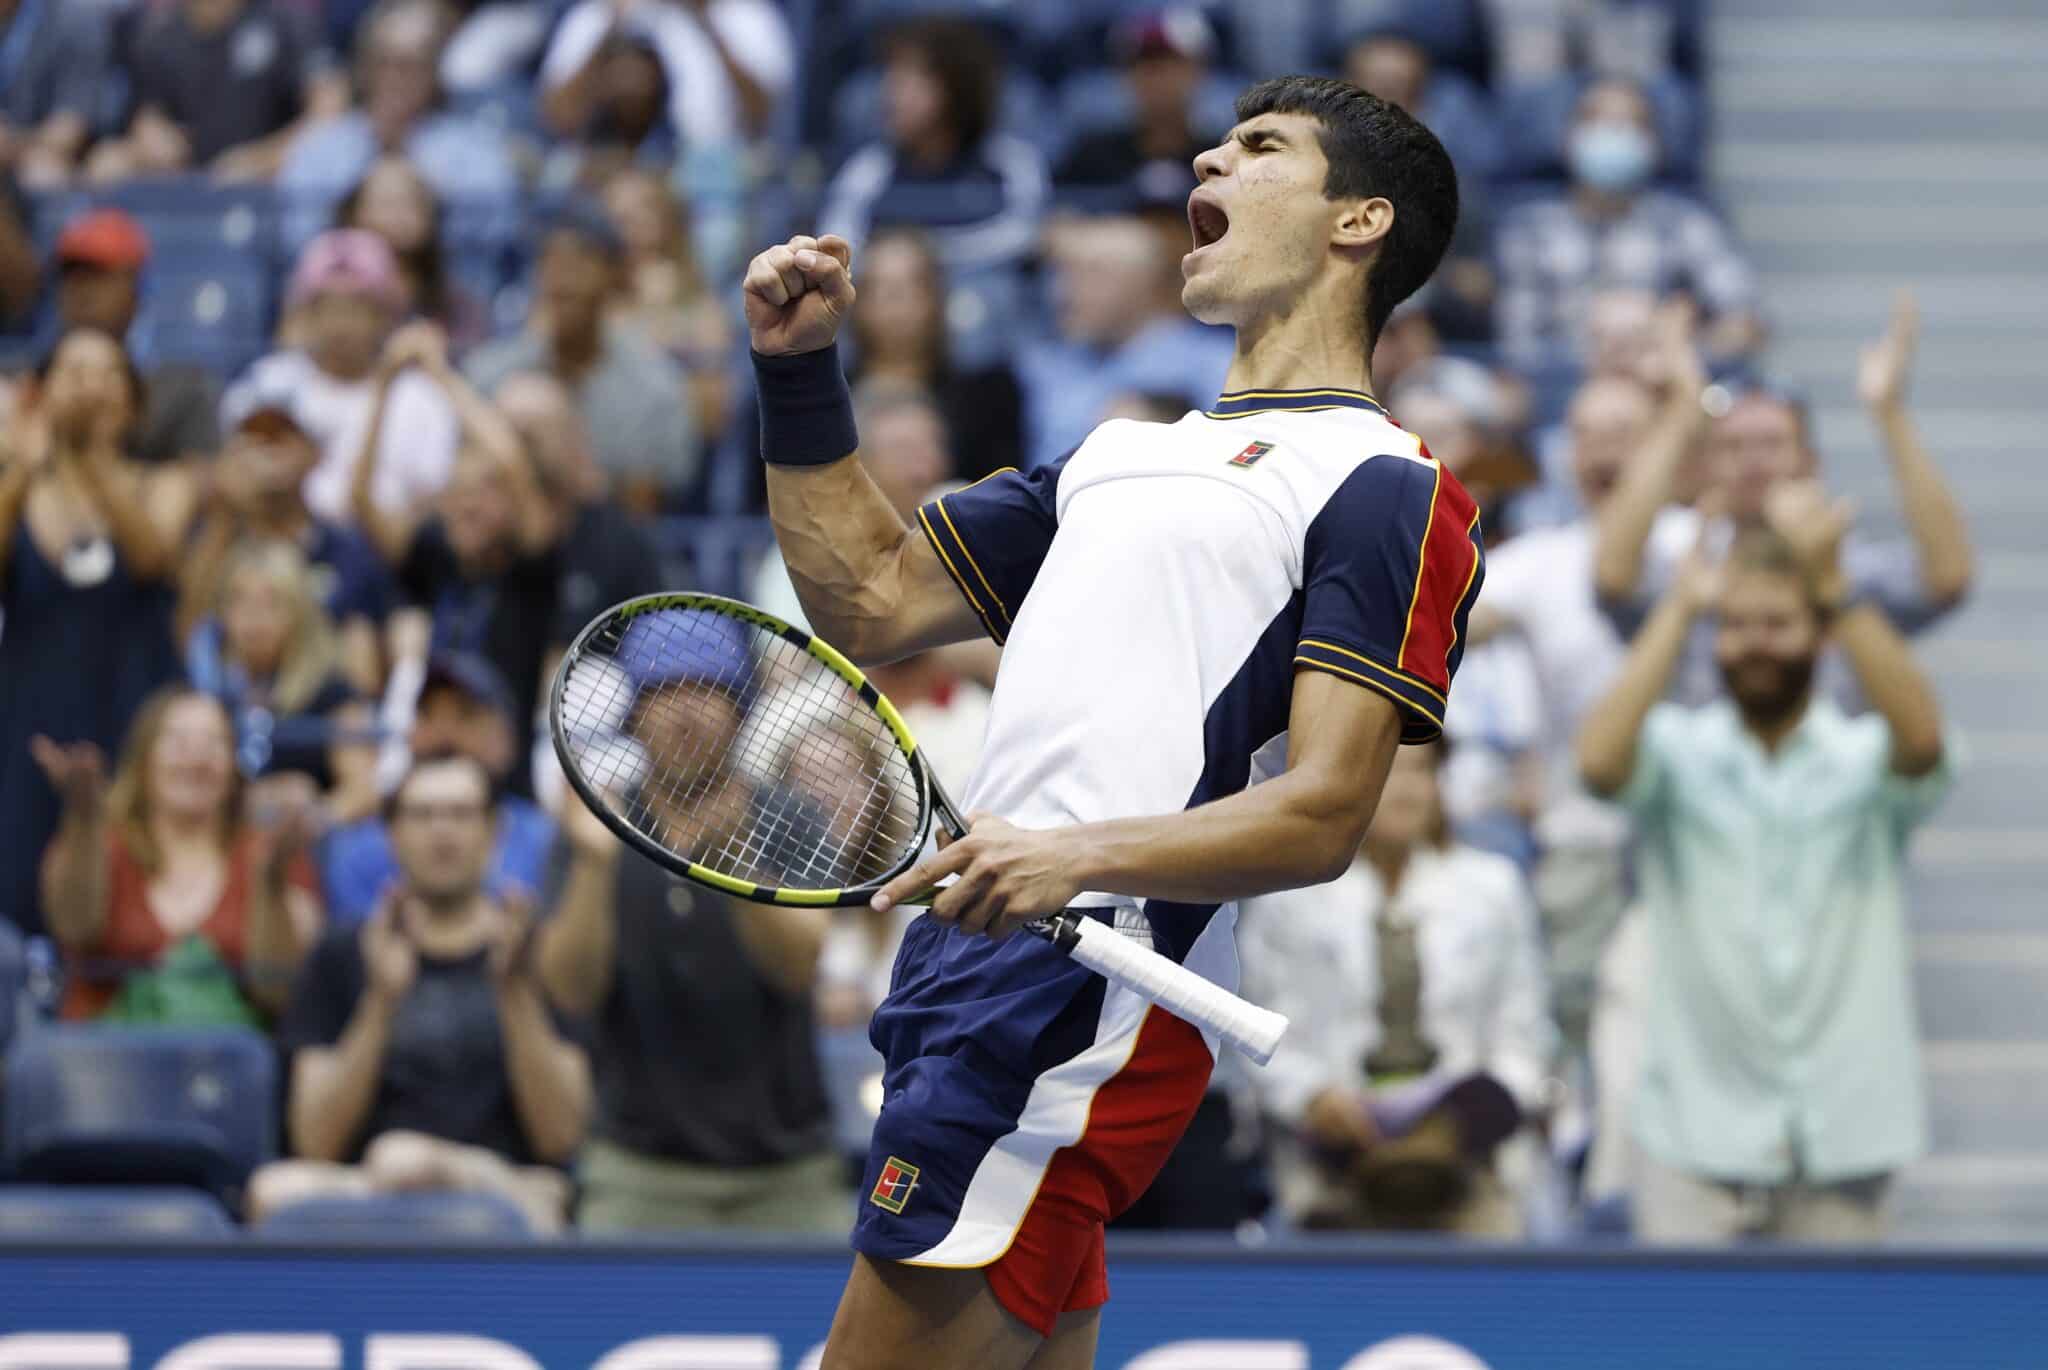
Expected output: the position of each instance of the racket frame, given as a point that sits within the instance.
(931, 801)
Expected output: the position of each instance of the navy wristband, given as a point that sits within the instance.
(806, 409)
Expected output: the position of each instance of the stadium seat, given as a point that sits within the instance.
(30, 1211)
(186, 214)
(423, 1217)
(1101, 98)
(128, 1105)
(212, 309)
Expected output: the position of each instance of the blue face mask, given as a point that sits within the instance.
(1611, 156)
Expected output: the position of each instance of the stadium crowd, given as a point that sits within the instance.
(358, 353)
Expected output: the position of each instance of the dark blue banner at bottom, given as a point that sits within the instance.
(1184, 1306)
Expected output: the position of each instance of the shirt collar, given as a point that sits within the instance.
(1237, 403)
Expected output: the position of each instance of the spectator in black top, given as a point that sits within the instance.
(979, 192)
(101, 256)
(257, 491)
(900, 341)
(219, 85)
(1165, 56)
(711, 1110)
(53, 63)
(423, 1052)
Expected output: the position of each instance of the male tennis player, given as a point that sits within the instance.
(1274, 590)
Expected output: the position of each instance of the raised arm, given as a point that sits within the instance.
(74, 867)
(1607, 741)
(871, 586)
(1933, 514)
(24, 450)
(1650, 478)
(1813, 526)
(1300, 828)
(333, 1087)
(577, 944)
(390, 534)
(147, 513)
(283, 919)
(549, 1074)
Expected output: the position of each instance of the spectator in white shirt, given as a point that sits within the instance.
(345, 298)
(1422, 961)
(728, 62)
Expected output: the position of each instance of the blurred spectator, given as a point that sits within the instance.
(423, 1052)
(345, 297)
(1781, 1083)
(89, 545)
(666, 295)
(498, 42)
(727, 62)
(269, 654)
(602, 554)
(900, 339)
(1392, 65)
(171, 904)
(1761, 468)
(1423, 961)
(463, 710)
(1539, 591)
(627, 121)
(1611, 229)
(904, 447)
(466, 160)
(1166, 56)
(21, 273)
(632, 395)
(1116, 293)
(1541, 40)
(256, 492)
(711, 1107)
(395, 202)
(942, 167)
(100, 258)
(222, 86)
(53, 66)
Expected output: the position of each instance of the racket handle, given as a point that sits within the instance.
(1252, 1030)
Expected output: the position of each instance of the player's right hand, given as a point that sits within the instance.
(797, 294)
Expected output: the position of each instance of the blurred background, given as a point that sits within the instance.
(353, 355)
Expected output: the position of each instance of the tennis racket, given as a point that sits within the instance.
(744, 754)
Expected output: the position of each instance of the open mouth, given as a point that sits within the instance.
(1207, 221)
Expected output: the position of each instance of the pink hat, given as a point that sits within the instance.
(347, 261)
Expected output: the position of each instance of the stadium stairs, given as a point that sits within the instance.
(1861, 145)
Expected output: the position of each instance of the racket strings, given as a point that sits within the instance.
(737, 749)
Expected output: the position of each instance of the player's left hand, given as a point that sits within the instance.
(1008, 875)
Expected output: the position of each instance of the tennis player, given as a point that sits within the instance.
(1215, 633)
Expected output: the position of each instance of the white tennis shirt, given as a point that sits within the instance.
(1157, 589)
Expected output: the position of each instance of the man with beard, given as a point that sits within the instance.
(1781, 1079)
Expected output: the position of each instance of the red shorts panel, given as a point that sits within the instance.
(1055, 1262)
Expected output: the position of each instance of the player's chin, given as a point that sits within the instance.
(1202, 294)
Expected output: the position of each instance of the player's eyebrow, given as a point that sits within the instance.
(1250, 135)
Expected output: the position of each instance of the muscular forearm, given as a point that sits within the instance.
(1607, 742)
(1290, 831)
(1647, 484)
(333, 1087)
(1895, 686)
(1933, 514)
(574, 959)
(550, 1078)
(845, 549)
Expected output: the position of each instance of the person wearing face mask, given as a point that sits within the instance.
(1781, 1083)
(1612, 228)
(89, 543)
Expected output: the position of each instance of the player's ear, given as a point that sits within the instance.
(1363, 222)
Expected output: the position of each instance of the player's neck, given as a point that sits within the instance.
(1304, 350)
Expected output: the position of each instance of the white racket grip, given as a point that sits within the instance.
(1252, 1030)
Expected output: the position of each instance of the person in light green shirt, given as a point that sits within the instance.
(1781, 1084)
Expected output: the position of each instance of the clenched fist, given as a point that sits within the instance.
(797, 295)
